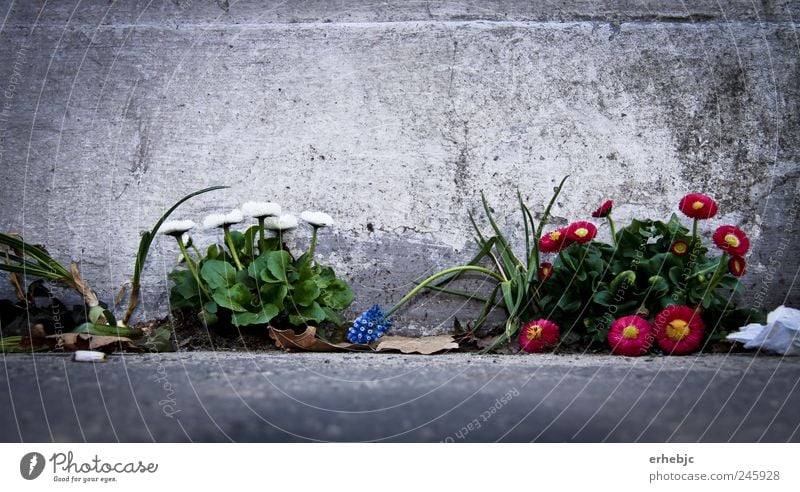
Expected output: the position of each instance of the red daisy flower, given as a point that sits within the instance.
(731, 239)
(737, 266)
(698, 206)
(604, 209)
(545, 270)
(581, 232)
(538, 335)
(631, 336)
(679, 248)
(554, 241)
(679, 330)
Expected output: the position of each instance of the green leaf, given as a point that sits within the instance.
(508, 296)
(332, 316)
(546, 215)
(234, 298)
(257, 269)
(96, 312)
(263, 316)
(238, 240)
(215, 252)
(510, 261)
(604, 298)
(208, 318)
(250, 238)
(314, 312)
(324, 277)
(218, 274)
(107, 330)
(338, 295)
(243, 277)
(305, 293)
(210, 307)
(273, 294)
(622, 281)
(159, 340)
(277, 265)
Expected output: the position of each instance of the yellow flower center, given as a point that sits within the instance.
(732, 240)
(677, 330)
(697, 205)
(680, 247)
(546, 270)
(555, 235)
(534, 332)
(630, 332)
(581, 232)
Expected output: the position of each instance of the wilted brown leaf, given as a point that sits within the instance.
(308, 341)
(83, 341)
(421, 345)
(289, 340)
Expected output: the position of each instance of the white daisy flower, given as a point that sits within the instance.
(176, 227)
(220, 220)
(259, 210)
(281, 223)
(317, 219)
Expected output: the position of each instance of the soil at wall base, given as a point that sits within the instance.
(192, 335)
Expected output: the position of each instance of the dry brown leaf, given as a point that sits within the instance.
(289, 340)
(81, 341)
(421, 345)
(308, 341)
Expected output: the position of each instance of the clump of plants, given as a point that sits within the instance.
(22, 260)
(655, 270)
(250, 277)
(656, 283)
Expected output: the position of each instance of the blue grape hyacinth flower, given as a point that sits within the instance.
(369, 327)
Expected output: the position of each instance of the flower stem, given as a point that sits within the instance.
(433, 277)
(613, 229)
(694, 232)
(229, 242)
(192, 267)
(313, 246)
(718, 274)
(262, 243)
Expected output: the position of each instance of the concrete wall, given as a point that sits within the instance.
(392, 116)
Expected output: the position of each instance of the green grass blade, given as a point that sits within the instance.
(38, 254)
(509, 260)
(474, 261)
(480, 239)
(459, 293)
(25, 270)
(144, 249)
(550, 206)
(147, 238)
(527, 229)
(488, 307)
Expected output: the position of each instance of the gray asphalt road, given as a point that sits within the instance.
(364, 397)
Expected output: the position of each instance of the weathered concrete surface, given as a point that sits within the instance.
(393, 118)
(359, 397)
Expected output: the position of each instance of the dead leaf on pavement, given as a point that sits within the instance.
(308, 341)
(421, 345)
(290, 341)
(81, 341)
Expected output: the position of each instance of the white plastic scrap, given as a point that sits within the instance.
(88, 356)
(781, 334)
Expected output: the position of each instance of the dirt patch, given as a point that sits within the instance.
(191, 335)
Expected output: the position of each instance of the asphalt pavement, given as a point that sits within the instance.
(278, 397)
